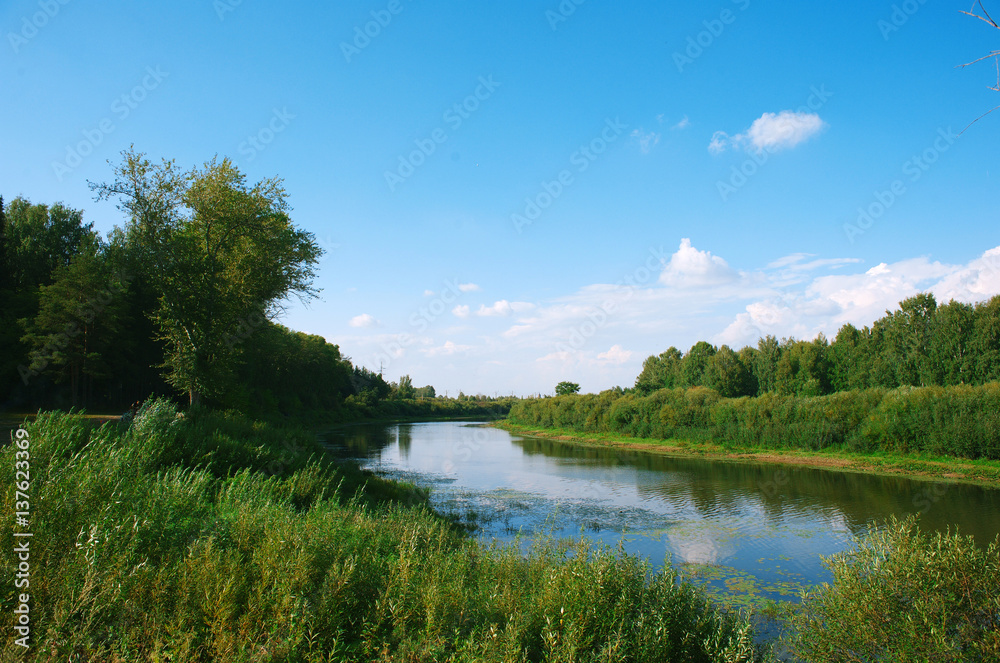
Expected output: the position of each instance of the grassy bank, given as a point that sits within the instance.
(206, 537)
(980, 472)
(941, 432)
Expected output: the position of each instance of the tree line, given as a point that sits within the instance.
(179, 300)
(921, 344)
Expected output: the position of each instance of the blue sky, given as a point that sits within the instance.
(514, 194)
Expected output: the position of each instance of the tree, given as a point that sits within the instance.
(694, 364)
(425, 392)
(950, 360)
(78, 317)
(567, 388)
(765, 367)
(220, 252)
(659, 372)
(804, 368)
(39, 238)
(404, 389)
(727, 374)
(849, 359)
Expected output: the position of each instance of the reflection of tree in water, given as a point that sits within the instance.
(718, 488)
(404, 436)
(362, 441)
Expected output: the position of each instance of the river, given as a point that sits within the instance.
(747, 532)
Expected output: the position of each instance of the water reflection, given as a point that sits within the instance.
(756, 527)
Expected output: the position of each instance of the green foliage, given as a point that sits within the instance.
(920, 344)
(961, 421)
(905, 596)
(221, 253)
(78, 318)
(208, 537)
(567, 388)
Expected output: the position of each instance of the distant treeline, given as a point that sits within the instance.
(921, 344)
(81, 325)
(961, 421)
(921, 379)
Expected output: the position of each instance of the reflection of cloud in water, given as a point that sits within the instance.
(700, 542)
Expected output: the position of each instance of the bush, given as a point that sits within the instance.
(904, 596)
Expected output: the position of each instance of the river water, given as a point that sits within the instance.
(747, 532)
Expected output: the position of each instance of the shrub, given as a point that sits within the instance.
(904, 596)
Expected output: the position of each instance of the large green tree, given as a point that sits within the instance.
(219, 251)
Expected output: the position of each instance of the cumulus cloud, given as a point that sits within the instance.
(503, 308)
(461, 311)
(616, 355)
(689, 267)
(646, 141)
(363, 320)
(828, 302)
(468, 287)
(683, 124)
(771, 132)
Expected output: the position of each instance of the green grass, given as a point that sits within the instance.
(207, 537)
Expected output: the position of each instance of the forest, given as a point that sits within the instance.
(921, 344)
(922, 379)
(179, 301)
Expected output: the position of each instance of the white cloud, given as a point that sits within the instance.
(771, 132)
(363, 320)
(720, 141)
(616, 355)
(646, 141)
(683, 124)
(783, 130)
(468, 287)
(448, 349)
(828, 302)
(503, 308)
(689, 267)
(461, 311)
(428, 293)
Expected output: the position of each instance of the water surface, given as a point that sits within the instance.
(747, 531)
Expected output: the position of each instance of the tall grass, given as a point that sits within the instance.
(961, 421)
(210, 538)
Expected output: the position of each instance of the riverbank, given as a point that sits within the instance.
(979, 472)
(209, 536)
